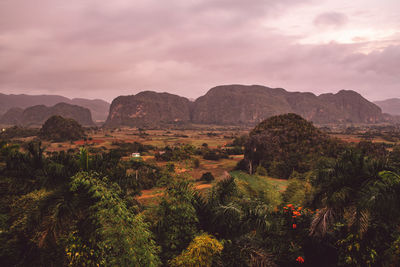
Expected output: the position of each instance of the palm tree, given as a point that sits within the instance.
(84, 158)
(342, 192)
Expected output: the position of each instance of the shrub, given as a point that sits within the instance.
(207, 177)
(204, 250)
(196, 163)
(211, 155)
(297, 192)
(261, 171)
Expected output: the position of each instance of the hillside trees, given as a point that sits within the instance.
(60, 129)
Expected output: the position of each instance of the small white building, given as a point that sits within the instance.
(135, 155)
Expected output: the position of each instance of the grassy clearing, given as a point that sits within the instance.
(254, 186)
(217, 168)
(152, 196)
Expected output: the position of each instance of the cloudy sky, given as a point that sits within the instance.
(102, 49)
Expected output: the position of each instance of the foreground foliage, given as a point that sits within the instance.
(337, 207)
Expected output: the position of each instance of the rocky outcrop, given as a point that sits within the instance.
(148, 109)
(348, 106)
(239, 104)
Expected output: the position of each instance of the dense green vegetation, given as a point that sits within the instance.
(181, 152)
(17, 132)
(337, 207)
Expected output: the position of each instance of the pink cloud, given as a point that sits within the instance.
(105, 49)
(330, 19)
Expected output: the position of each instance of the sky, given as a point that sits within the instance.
(103, 49)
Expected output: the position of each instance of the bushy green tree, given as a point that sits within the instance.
(261, 171)
(286, 143)
(58, 129)
(175, 220)
(203, 251)
(297, 192)
(120, 237)
(207, 177)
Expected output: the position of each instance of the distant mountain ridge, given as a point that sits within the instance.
(241, 105)
(37, 115)
(390, 106)
(99, 108)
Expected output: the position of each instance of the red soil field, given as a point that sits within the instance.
(94, 141)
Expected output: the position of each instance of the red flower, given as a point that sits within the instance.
(300, 259)
(294, 226)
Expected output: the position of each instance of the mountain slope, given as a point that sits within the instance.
(12, 117)
(23, 101)
(390, 106)
(37, 115)
(99, 108)
(349, 106)
(236, 104)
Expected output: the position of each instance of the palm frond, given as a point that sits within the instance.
(363, 221)
(323, 219)
(257, 256)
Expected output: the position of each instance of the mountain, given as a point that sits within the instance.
(241, 105)
(236, 104)
(390, 106)
(148, 109)
(12, 117)
(349, 106)
(99, 108)
(23, 101)
(37, 115)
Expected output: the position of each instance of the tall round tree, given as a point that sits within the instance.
(57, 128)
